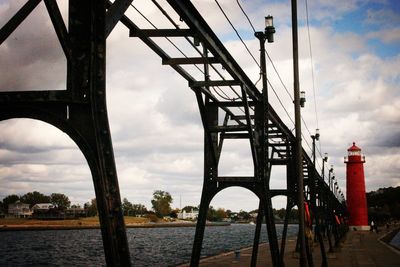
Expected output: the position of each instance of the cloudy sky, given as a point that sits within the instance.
(154, 119)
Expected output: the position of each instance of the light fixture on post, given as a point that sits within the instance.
(269, 28)
(314, 137)
(302, 98)
(324, 159)
(263, 110)
(329, 177)
(336, 188)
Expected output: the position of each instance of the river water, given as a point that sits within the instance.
(148, 246)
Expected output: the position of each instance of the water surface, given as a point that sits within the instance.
(148, 246)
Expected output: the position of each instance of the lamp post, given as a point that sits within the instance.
(324, 159)
(315, 197)
(267, 34)
(298, 153)
(314, 138)
(262, 109)
(313, 194)
(329, 178)
(336, 188)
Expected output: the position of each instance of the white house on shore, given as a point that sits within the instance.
(42, 207)
(19, 210)
(188, 215)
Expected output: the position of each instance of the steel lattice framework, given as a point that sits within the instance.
(81, 112)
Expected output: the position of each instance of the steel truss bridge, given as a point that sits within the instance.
(81, 112)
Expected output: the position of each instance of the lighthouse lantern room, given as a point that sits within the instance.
(355, 189)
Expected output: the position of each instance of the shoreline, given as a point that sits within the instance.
(7, 228)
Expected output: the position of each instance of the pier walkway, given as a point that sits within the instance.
(358, 249)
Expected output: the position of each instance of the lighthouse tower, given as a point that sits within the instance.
(355, 189)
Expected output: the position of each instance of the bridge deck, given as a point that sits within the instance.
(359, 249)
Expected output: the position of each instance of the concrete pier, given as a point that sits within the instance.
(357, 249)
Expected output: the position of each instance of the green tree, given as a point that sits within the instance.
(34, 197)
(281, 213)
(384, 203)
(220, 214)
(61, 201)
(139, 209)
(91, 207)
(228, 213)
(161, 203)
(127, 207)
(9, 200)
(174, 213)
(189, 208)
(216, 215)
(211, 216)
(294, 215)
(244, 215)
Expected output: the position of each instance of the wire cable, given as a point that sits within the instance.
(237, 33)
(225, 97)
(248, 19)
(312, 63)
(279, 76)
(252, 56)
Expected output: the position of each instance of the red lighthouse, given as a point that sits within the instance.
(355, 189)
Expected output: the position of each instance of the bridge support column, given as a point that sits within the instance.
(209, 116)
(257, 232)
(87, 81)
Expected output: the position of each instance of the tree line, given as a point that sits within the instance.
(161, 203)
(59, 200)
(161, 207)
(384, 204)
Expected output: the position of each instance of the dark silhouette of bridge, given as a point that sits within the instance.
(231, 107)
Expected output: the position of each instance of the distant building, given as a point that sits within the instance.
(19, 210)
(75, 212)
(42, 207)
(46, 211)
(188, 215)
(253, 214)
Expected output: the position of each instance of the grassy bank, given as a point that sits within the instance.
(17, 224)
(90, 221)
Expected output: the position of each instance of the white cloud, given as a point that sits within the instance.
(386, 35)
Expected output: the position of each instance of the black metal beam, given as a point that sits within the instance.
(229, 128)
(160, 33)
(250, 130)
(195, 21)
(232, 104)
(235, 135)
(190, 60)
(214, 83)
(35, 96)
(17, 19)
(59, 27)
(236, 179)
(279, 161)
(115, 13)
(242, 117)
